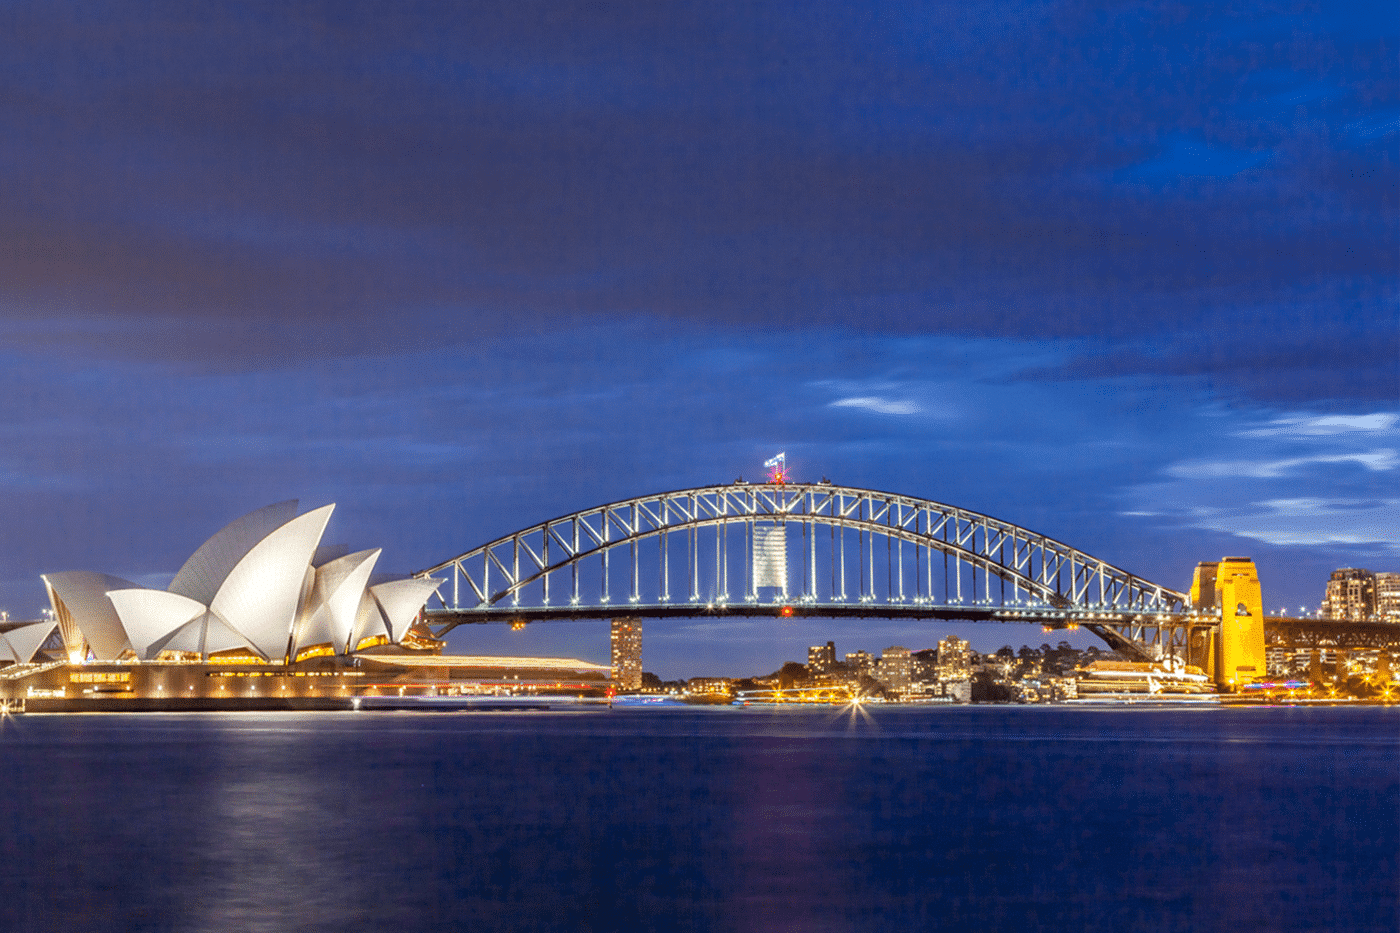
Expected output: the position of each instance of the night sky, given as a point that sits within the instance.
(1125, 274)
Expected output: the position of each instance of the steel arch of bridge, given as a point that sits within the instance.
(520, 575)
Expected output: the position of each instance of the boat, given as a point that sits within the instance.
(1168, 682)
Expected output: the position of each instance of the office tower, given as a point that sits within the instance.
(627, 654)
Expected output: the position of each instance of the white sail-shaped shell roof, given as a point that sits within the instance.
(208, 567)
(259, 597)
(255, 586)
(369, 621)
(21, 644)
(335, 600)
(205, 635)
(83, 595)
(152, 616)
(188, 637)
(400, 601)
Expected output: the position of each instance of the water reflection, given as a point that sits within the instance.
(724, 819)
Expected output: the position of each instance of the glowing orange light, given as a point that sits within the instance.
(787, 610)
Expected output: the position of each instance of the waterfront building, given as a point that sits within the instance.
(959, 690)
(322, 682)
(261, 589)
(627, 653)
(954, 659)
(894, 669)
(709, 686)
(860, 662)
(923, 672)
(387, 672)
(1351, 595)
(821, 659)
(1388, 597)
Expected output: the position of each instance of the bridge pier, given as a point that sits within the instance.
(1233, 650)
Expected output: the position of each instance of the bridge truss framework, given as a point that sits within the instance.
(861, 553)
(690, 553)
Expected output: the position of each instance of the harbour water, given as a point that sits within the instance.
(773, 819)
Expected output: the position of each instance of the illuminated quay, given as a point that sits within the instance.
(317, 684)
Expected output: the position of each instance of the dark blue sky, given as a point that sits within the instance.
(1126, 276)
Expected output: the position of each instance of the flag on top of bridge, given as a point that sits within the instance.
(777, 469)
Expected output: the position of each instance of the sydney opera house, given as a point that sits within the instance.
(262, 615)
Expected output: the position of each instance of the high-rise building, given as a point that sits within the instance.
(627, 654)
(1351, 595)
(821, 659)
(894, 669)
(954, 659)
(923, 671)
(1388, 597)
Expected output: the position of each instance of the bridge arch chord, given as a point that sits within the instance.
(1044, 570)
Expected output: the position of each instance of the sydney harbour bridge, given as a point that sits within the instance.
(823, 550)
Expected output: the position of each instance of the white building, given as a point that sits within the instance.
(262, 587)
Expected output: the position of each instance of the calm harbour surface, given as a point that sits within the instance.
(966, 818)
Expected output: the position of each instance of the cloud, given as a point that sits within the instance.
(1306, 521)
(1318, 485)
(878, 405)
(1375, 461)
(1323, 425)
(279, 187)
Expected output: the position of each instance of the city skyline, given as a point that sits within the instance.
(1126, 279)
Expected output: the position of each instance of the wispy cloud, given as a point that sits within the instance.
(1310, 521)
(1324, 425)
(882, 406)
(1287, 479)
(1374, 460)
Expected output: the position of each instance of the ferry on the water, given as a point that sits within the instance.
(1168, 682)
